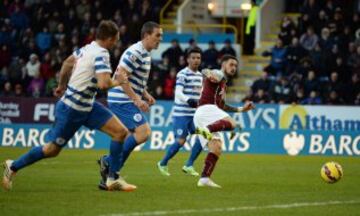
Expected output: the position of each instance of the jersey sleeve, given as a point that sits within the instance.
(130, 61)
(102, 63)
(180, 79)
(214, 74)
(78, 53)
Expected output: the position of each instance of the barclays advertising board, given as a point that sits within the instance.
(269, 129)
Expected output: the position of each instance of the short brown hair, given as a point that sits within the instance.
(148, 28)
(226, 57)
(106, 29)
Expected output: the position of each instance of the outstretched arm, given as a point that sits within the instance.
(213, 75)
(247, 106)
(65, 74)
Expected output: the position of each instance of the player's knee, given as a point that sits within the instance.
(51, 150)
(233, 123)
(120, 134)
(143, 134)
(215, 147)
(181, 141)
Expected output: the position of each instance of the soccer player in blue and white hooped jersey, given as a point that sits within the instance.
(130, 100)
(82, 74)
(187, 94)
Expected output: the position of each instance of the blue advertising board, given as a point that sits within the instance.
(268, 129)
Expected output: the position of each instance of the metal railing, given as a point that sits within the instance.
(197, 28)
(163, 9)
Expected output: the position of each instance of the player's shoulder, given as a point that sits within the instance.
(96, 49)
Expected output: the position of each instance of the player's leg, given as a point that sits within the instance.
(210, 162)
(103, 119)
(63, 129)
(213, 119)
(195, 152)
(180, 128)
(141, 135)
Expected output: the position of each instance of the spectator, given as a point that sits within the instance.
(60, 33)
(210, 56)
(294, 54)
(192, 45)
(309, 39)
(334, 84)
(46, 67)
(321, 22)
(173, 53)
(312, 99)
(282, 91)
(354, 60)
(260, 97)
(43, 40)
(299, 96)
(169, 84)
(33, 66)
(325, 42)
(182, 63)
(19, 90)
(159, 94)
(7, 90)
(164, 66)
(227, 49)
(36, 86)
(278, 59)
(311, 83)
(261, 83)
(317, 57)
(5, 56)
(17, 69)
(286, 27)
(334, 99)
(51, 85)
(19, 20)
(124, 37)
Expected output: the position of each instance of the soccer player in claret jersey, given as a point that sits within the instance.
(82, 74)
(210, 117)
(130, 100)
(187, 94)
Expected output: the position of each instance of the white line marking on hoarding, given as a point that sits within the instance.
(235, 209)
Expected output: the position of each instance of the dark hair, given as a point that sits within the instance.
(106, 29)
(226, 57)
(148, 28)
(193, 50)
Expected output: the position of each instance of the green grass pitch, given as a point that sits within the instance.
(252, 185)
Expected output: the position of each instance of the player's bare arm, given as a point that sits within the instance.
(149, 98)
(214, 76)
(143, 106)
(65, 74)
(249, 105)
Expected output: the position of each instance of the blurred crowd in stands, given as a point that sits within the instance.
(316, 59)
(37, 35)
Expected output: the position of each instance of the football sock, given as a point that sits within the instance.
(35, 154)
(195, 152)
(170, 153)
(114, 159)
(210, 163)
(129, 145)
(221, 125)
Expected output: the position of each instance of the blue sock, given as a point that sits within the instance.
(195, 152)
(114, 159)
(35, 154)
(129, 145)
(170, 153)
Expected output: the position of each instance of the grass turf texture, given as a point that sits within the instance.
(67, 185)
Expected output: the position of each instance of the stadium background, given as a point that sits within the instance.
(299, 61)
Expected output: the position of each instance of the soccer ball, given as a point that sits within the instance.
(331, 172)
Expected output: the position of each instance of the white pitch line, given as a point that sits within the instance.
(234, 209)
